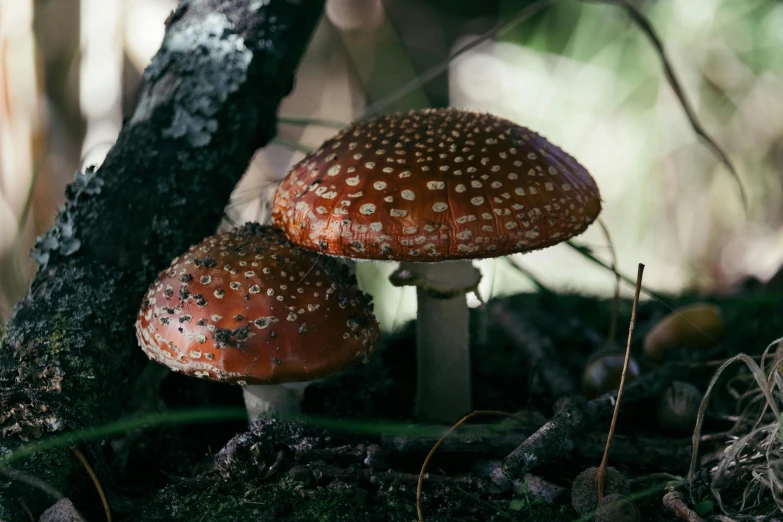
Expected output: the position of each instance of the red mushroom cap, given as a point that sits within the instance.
(247, 307)
(433, 185)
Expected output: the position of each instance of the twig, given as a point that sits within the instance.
(482, 441)
(536, 349)
(95, 480)
(555, 440)
(529, 275)
(674, 502)
(644, 25)
(440, 441)
(586, 253)
(616, 299)
(600, 477)
(499, 28)
(301, 121)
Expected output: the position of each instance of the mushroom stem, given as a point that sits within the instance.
(443, 387)
(263, 399)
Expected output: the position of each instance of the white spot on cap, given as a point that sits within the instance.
(395, 212)
(478, 200)
(440, 206)
(352, 182)
(408, 194)
(367, 209)
(460, 188)
(379, 185)
(436, 185)
(333, 170)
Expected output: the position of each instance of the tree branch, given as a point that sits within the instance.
(208, 102)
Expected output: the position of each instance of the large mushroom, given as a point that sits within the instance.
(436, 189)
(246, 307)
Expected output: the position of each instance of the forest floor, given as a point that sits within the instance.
(361, 463)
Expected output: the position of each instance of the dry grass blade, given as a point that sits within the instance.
(601, 475)
(616, 299)
(745, 452)
(646, 27)
(440, 441)
(95, 480)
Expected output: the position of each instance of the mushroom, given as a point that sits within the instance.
(246, 307)
(436, 189)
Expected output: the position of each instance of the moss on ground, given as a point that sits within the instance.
(574, 326)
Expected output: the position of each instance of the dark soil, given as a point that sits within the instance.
(284, 470)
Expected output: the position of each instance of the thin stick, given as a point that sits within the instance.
(498, 29)
(646, 28)
(602, 468)
(95, 481)
(440, 441)
(676, 504)
(616, 300)
(585, 252)
(304, 121)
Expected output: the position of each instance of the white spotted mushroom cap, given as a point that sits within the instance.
(247, 307)
(433, 185)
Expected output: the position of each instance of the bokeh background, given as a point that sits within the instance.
(580, 73)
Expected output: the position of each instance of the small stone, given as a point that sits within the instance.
(584, 491)
(62, 511)
(616, 508)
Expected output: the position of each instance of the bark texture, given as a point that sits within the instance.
(208, 102)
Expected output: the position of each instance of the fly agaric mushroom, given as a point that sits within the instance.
(436, 189)
(246, 307)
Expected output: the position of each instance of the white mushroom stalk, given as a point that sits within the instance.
(443, 380)
(246, 307)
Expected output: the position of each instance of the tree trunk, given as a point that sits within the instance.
(208, 102)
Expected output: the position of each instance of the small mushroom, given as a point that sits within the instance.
(697, 325)
(436, 189)
(678, 407)
(603, 372)
(246, 307)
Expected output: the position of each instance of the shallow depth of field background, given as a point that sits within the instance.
(581, 74)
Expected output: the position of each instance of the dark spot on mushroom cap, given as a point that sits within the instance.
(207, 341)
